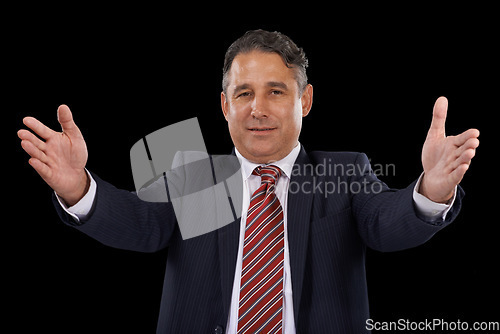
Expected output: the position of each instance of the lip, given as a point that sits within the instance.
(261, 130)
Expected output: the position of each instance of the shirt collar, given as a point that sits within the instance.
(286, 164)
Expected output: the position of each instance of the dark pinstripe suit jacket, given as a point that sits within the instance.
(327, 238)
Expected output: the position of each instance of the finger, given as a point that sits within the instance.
(458, 173)
(34, 151)
(460, 139)
(65, 118)
(41, 129)
(464, 158)
(27, 135)
(437, 128)
(471, 143)
(42, 169)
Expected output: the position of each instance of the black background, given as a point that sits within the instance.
(126, 72)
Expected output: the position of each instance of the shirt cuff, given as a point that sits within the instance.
(428, 209)
(82, 208)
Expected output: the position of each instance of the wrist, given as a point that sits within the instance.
(73, 197)
(441, 197)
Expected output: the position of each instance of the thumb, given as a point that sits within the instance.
(65, 118)
(437, 128)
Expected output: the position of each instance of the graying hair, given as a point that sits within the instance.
(265, 41)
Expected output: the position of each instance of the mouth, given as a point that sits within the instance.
(261, 130)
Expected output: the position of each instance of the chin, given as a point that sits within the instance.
(262, 153)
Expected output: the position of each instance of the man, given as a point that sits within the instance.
(294, 262)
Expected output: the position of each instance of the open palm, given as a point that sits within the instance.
(61, 157)
(445, 159)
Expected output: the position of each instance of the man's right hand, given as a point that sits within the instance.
(60, 159)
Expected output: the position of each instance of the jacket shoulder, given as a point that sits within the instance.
(336, 157)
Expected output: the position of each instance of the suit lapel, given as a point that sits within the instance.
(298, 218)
(229, 237)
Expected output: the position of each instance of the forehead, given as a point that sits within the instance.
(259, 68)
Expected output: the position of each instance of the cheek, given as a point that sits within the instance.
(237, 112)
(293, 128)
(236, 120)
(293, 121)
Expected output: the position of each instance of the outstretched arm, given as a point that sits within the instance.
(119, 218)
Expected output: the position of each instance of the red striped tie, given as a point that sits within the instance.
(261, 290)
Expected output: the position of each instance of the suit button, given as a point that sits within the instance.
(219, 330)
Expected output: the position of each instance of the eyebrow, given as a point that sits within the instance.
(278, 84)
(244, 86)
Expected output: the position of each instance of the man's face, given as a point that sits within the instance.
(263, 106)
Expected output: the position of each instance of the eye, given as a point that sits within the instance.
(276, 92)
(244, 94)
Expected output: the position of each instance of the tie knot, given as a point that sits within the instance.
(268, 174)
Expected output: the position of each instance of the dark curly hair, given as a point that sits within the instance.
(261, 40)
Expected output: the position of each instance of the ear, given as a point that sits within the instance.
(224, 104)
(307, 100)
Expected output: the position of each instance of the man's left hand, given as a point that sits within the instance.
(445, 158)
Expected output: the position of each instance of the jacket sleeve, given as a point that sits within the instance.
(120, 219)
(386, 218)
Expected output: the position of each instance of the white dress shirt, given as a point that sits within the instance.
(250, 184)
(427, 208)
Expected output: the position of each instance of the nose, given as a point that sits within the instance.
(259, 108)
